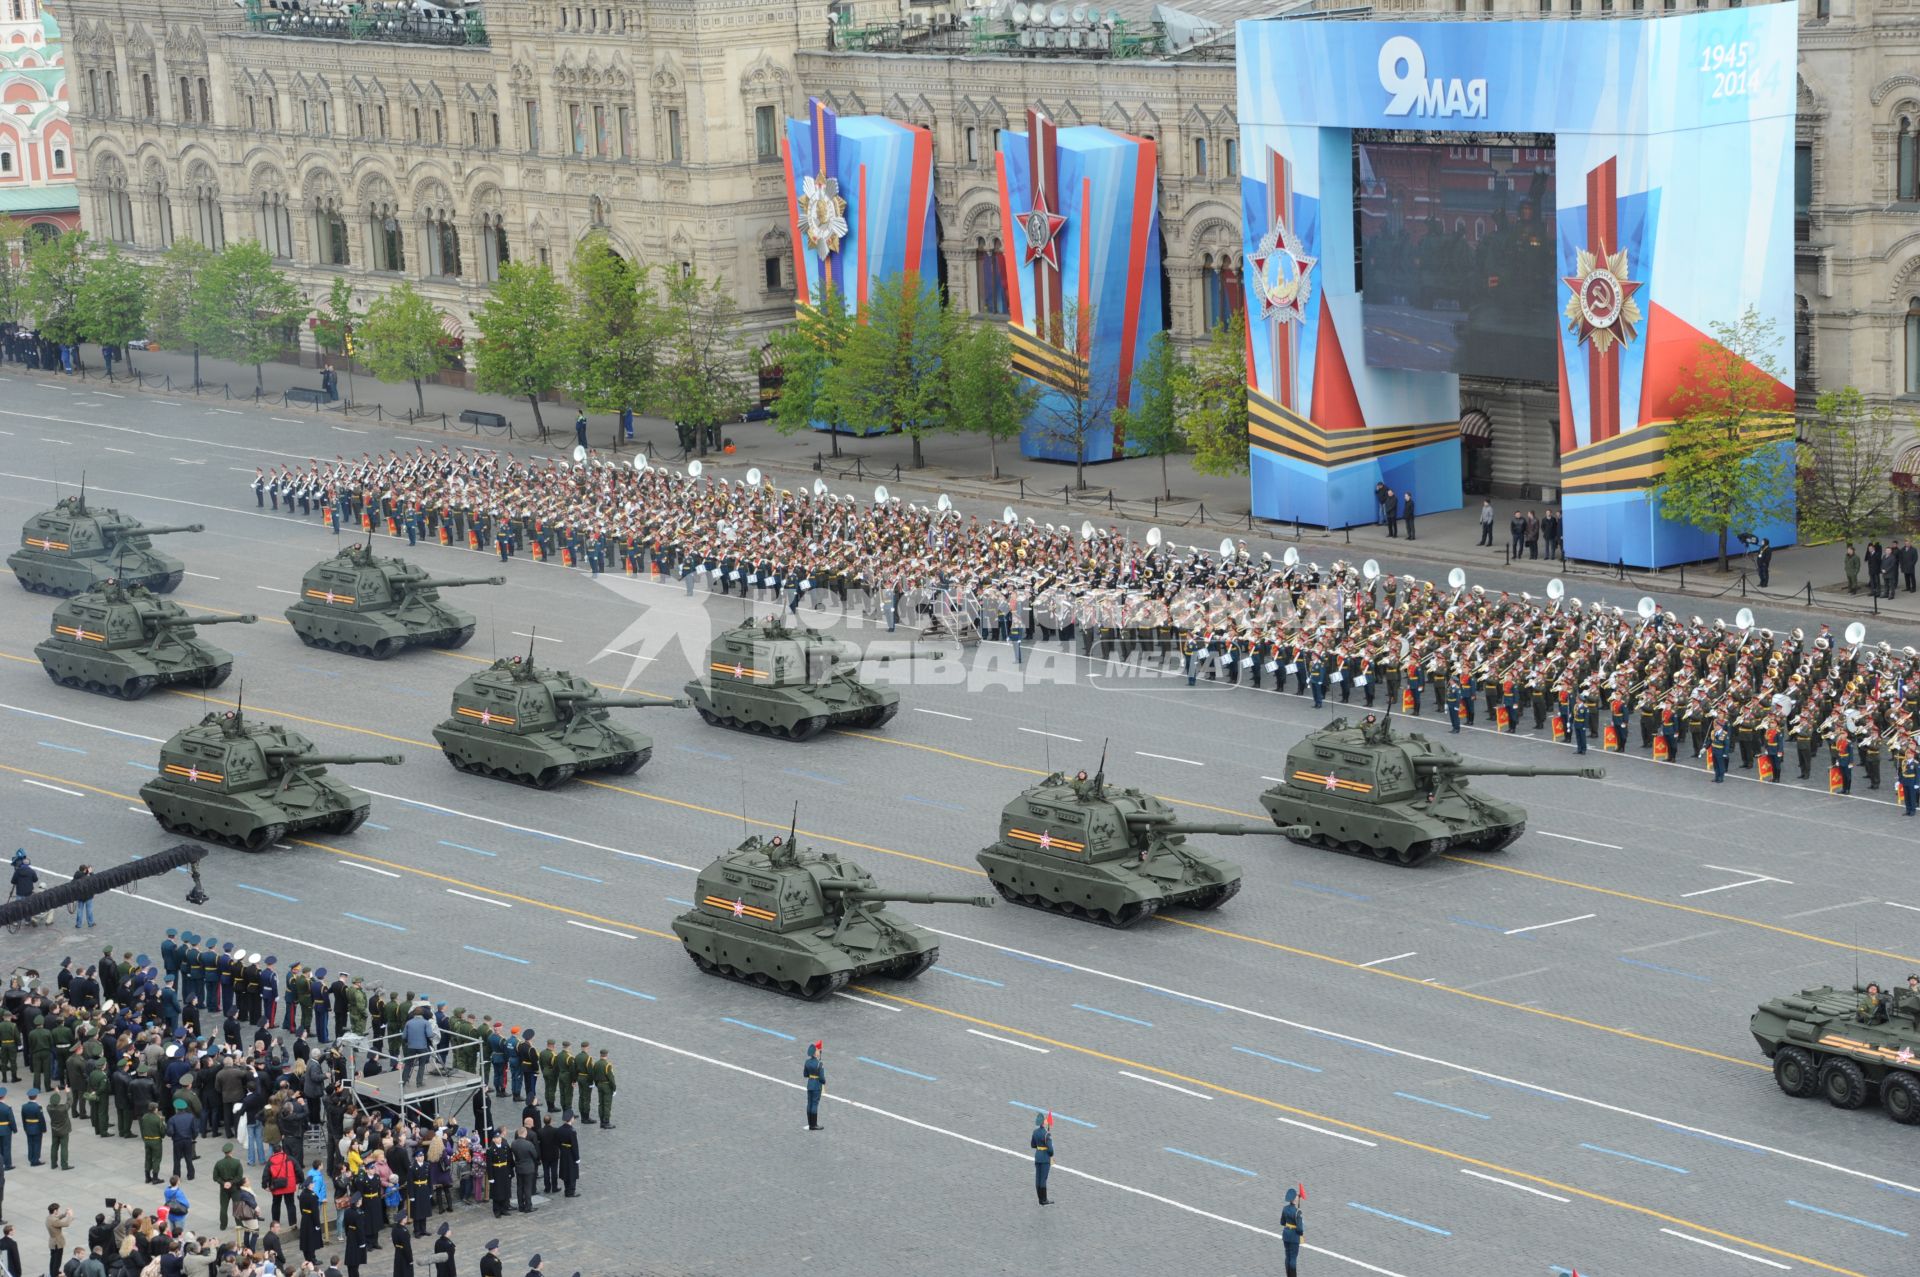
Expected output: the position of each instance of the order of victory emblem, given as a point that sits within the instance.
(1282, 278)
(823, 213)
(1602, 309)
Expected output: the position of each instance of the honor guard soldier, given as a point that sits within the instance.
(1670, 731)
(583, 1071)
(815, 1072)
(561, 1088)
(1841, 779)
(1042, 1143)
(1586, 719)
(9, 1049)
(170, 957)
(1696, 720)
(1317, 679)
(1649, 723)
(1719, 746)
(1910, 779)
(1293, 1227)
(1617, 721)
(1770, 749)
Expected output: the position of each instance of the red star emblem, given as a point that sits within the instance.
(1333, 782)
(1906, 1055)
(1046, 839)
(739, 908)
(486, 717)
(739, 671)
(193, 773)
(1042, 226)
(329, 596)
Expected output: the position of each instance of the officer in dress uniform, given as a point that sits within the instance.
(1293, 1227)
(1042, 1143)
(1719, 749)
(815, 1072)
(1842, 750)
(1910, 779)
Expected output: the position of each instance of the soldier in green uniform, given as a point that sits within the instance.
(564, 1075)
(100, 1097)
(550, 1071)
(57, 1059)
(603, 1082)
(39, 1049)
(298, 995)
(153, 1132)
(9, 1050)
(583, 1071)
(357, 1015)
(466, 1056)
(60, 1127)
(227, 1174)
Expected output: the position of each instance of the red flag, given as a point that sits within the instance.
(820, 1045)
(1300, 1190)
(1049, 1119)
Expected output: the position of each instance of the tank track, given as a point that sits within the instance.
(1128, 917)
(812, 991)
(267, 835)
(131, 690)
(1499, 838)
(548, 778)
(385, 649)
(1418, 853)
(166, 584)
(805, 729)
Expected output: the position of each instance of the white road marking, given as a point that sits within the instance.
(482, 899)
(632, 656)
(544, 638)
(1495, 1179)
(523, 829)
(203, 576)
(234, 469)
(864, 1001)
(231, 412)
(142, 810)
(1701, 1241)
(941, 714)
(1034, 731)
(86, 404)
(64, 443)
(1395, 958)
(108, 394)
(128, 451)
(1168, 758)
(1542, 926)
(78, 722)
(1849, 904)
(349, 430)
(1570, 838)
(624, 935)
(1024, 1046)
(58, 789)
(1321, 1130)
(1732, 869)
(1726, 886)
(354, 864)
(1897, 905)
(271, 590)
(1404, 1054)
(1140, 1077)
(188, 461)
(292, 421)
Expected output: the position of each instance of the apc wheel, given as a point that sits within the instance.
(1844, 1085)
(1900, 1096)
(1794, 1070)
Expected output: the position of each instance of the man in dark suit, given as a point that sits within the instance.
(1406, 512)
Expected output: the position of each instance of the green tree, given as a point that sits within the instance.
(56, 275)
(1723, 468)
(697, 381)
(805, 352)
(523, 330)
(176, 283)
(1153, 429)
(335, 320)
(243, 308)
(1213, 401)
(987, 396)
(890, 372)
(400, 339)
(613, 335)
(113, 301)
(1846, 452)
(13, 270)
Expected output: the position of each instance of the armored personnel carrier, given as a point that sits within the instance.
(359, 603)
(1836, 1043)
(773, 679)
(74, 545)
(249, 785)
(123, 641)
(540, 727)
(775, 915)
(1367, 790)
(1114, 856)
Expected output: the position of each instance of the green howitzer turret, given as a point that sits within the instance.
(204, 618)
(579, 700)
(541, 727)
(363, 604)
(123, 641)
(74, 546)
(769, 677)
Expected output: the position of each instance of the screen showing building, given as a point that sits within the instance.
(1457, 257)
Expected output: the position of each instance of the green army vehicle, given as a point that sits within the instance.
(1836, 1043)
(74, 545)
(775, 679)
(249, 785)
(1402, 799)
(772, 914)
(1111, 855)
(124, 641)
(540, 727)
(365, 605)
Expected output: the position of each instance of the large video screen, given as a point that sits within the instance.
(1457, 258)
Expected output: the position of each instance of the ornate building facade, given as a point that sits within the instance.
(36, 138)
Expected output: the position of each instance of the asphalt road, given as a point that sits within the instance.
(1534, 1060)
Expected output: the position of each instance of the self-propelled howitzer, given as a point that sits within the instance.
(771, 678)
(122, 641)
(1367, 790)
(1113, 855)
(74, 545)
(771, 914)
(365, 605)
(517, 721)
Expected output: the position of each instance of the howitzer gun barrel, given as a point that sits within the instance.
(1444, 768)
(587, 700)
(191, 618)
(848, 891)
(155, 530)
(1168, 825)
(329, 760)
(449, 582)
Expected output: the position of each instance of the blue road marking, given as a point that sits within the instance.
(1327, 891)
(1043, 962)
(1421, 1099)
(391, 926)
(1525, 1089)
(727, 1019)
(1292, 1064)
(1654, 966)
(617, 988)
(1335, 1037)
(1834, 1214)
(1399, 1219)
(68, 749)
(1614, 1152)
(145, 767)
(1899, 1188)
(568, 873)
(704, 753)
(977, 979)
(675, 900)
(47, 833)
(368, 824)
(460, 846)
(1113, 1014)
(491, 954)
(1181, 997)
(882, 1064)
(1040, 1108)
(1717, 1139)
(932, 802)
(1478, 926)
(292, 900)
(824, 780)
(1225, 1166)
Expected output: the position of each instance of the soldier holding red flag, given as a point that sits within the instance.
(1042, 1154)
(816, 1074)
(1293, 1226)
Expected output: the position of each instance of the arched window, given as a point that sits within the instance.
(273, 224)
(1199, 157)
(209, 225)
(990, 267)
(6, 161)
(1222, 295)
(493, 245)
(329, 232)
(443, 244)
(1910, 384)
(389, 244)
(59, 158)
(1907, 162)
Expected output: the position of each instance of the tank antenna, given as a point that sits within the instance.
(1100, 777)
(530, 637)
(793, 831)
(83, 492)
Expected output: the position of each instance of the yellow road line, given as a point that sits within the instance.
(1694, 909)
(1399, 1140)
